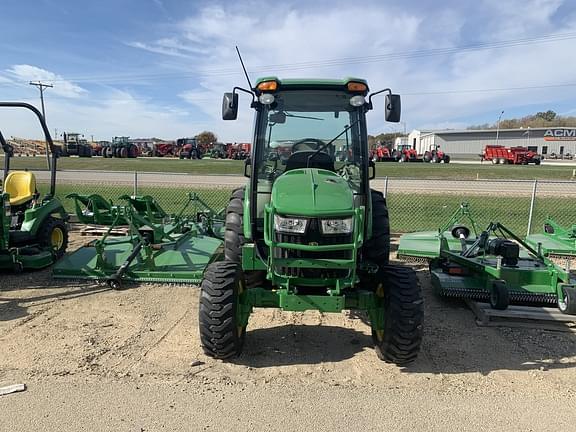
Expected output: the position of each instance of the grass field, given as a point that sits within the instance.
(408, 212)
(413, 170)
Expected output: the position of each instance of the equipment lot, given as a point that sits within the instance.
(131, 360)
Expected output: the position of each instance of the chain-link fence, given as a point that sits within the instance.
(414, 204)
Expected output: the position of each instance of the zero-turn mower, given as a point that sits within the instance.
(307, 232)
(34, 228)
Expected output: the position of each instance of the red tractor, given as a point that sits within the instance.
(188, 148)
(238, 151)
(382, 154)
(405, 153)
(498, 154)
(435, 155)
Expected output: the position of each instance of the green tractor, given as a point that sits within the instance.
(307, 232)
(121, 147)
(34, 228)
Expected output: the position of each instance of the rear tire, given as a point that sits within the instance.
(234, 237)
(220, 335)
(133, 151)
(401, 338)
(377, 248)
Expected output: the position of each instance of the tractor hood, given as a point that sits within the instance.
(312, 192)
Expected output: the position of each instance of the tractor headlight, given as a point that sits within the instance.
(290, 225)
(337, 226)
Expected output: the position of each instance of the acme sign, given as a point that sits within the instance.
(560, 135)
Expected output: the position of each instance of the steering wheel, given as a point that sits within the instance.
(311, 144)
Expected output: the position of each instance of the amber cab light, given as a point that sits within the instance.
(268, 86)
(357, 87)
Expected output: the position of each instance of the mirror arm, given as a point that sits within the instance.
(245, 91)
(377, 93)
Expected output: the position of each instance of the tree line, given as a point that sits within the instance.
(541, 119)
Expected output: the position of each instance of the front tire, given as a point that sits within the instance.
(53, 235)
(234, 237)
(221, 335)
(403, 307)
(377, 248)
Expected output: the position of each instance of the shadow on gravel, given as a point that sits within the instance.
(14, 308)
(454, 344)
(301, 344)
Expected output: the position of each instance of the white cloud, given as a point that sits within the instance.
(298, 41)
(23, 73)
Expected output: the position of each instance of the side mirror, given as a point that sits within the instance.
(247, 165)
(230, 106)
(371, 170)
(393, 108)
(277, 117)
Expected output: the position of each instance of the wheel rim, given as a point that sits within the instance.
(57, 238)
(563, 305)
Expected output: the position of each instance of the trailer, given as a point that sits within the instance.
(518, 155)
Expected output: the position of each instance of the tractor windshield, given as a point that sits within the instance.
(310, 128)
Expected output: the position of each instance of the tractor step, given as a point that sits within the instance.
(545, 318)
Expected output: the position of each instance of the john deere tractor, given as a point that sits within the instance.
(307, 232)
(34, 229)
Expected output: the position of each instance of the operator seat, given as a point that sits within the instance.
(299, 160)
(21, 186)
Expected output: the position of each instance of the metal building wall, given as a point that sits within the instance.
(472, 143)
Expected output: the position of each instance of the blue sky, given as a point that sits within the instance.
(159, 67)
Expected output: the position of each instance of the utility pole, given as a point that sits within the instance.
(41, 86)
(498, 126)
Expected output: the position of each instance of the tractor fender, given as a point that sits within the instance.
(34, 217)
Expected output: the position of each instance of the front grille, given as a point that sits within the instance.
(313, 235)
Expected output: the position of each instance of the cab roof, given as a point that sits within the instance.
(311, 83)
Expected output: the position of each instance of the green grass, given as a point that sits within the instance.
(408, 212)
(409, 170)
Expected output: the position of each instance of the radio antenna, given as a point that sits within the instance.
(244, 67)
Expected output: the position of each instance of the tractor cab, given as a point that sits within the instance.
(33, 229)
(309, 131)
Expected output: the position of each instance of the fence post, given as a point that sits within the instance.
(135, 183)
(532, 202)
(385, 187)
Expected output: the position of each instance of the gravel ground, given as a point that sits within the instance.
(95, 359)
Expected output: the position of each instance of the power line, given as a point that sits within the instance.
(401, 55)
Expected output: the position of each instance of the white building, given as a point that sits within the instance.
(470, 143)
